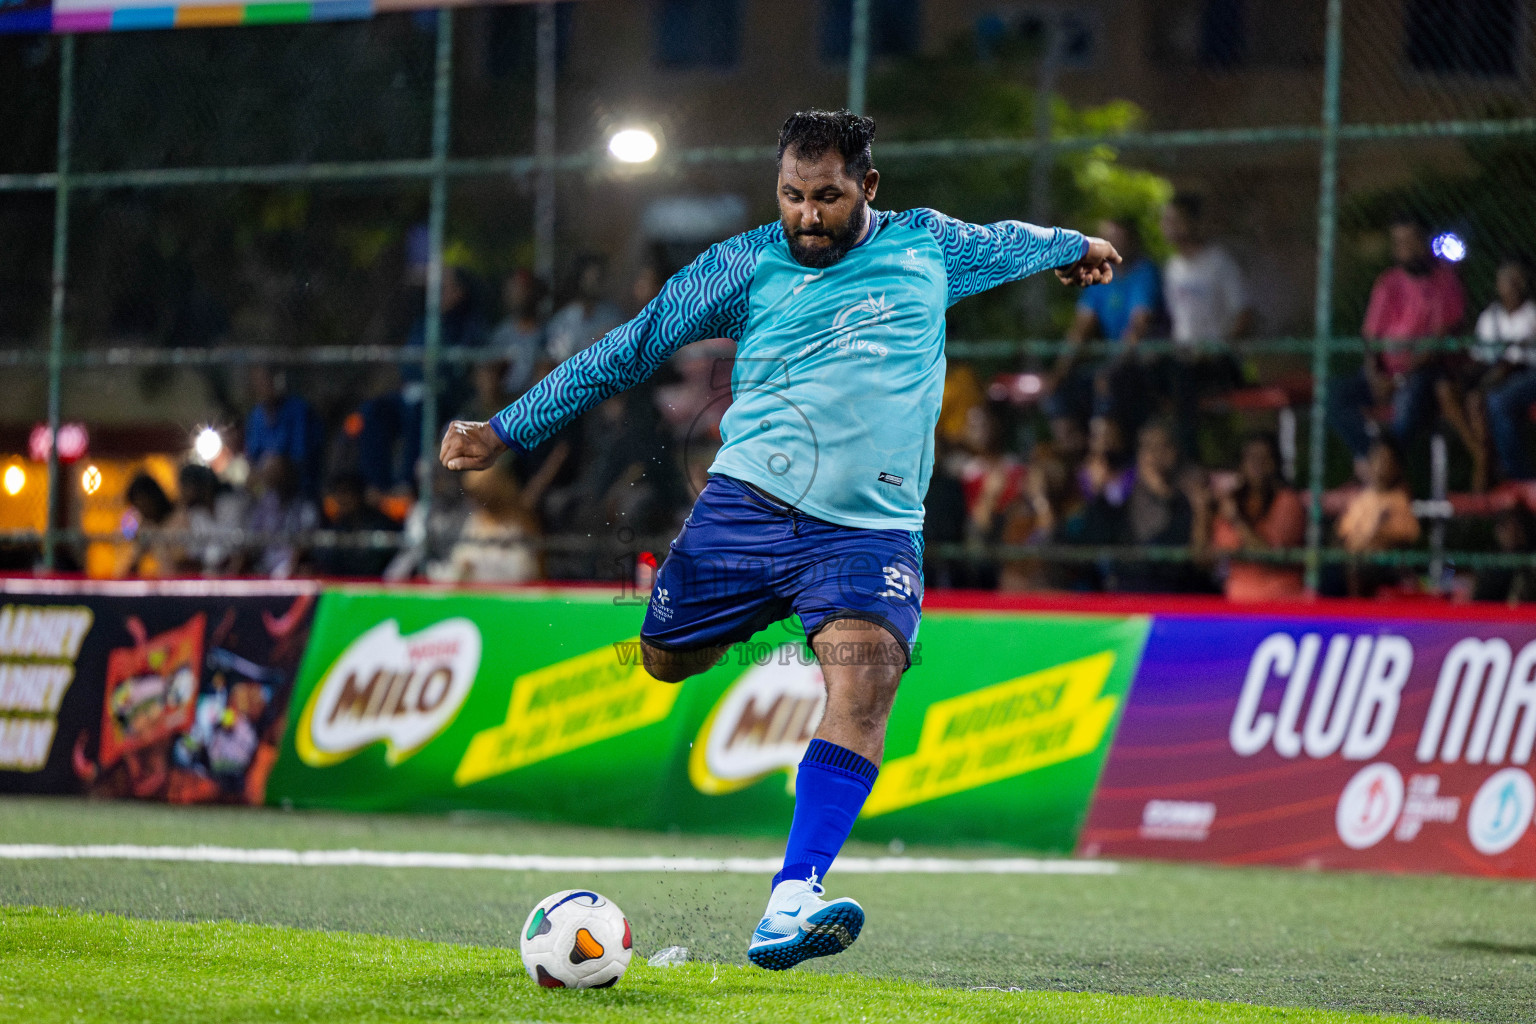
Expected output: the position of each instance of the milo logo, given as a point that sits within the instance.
(401, 690)
(762, 724)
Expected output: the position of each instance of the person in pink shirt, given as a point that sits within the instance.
(1419, 298)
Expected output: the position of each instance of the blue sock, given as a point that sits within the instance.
(829, 793)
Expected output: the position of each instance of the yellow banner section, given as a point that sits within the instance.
(1008, 729)
(566, 706)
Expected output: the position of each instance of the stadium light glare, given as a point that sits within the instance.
(633, 145)
(208, 445)
(1449, 246)
(15, 480)
(90, 480)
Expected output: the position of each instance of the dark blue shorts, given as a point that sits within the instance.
(743, 562)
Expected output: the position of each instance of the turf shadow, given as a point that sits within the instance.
(1497, 948)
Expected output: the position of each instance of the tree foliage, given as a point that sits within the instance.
(959, 94)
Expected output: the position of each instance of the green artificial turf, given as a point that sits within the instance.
(68, 966)
(1450, 948)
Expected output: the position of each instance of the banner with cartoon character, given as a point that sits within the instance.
(174, 691)
(536, 702)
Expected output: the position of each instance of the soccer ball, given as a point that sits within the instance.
(576, 939)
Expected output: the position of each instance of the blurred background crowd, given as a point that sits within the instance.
(1150, 429)
(1286, 375)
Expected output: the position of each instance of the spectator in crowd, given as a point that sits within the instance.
(629, 478)
(280, 423)
(588, 315)
(962, 393)
(1165, 508)
(493, 546)
(694, 403)
(281, 512)
(1123, 311)
(212, 514)
(1069, 440)
(991, 476)
(389, 446)
(1106, 473)
(1260, 514)
(943, 516)
(1207, 306)
(519, 338)
(1417, 299)
(430, 534)
(487, 391)
(1514, 531)
(1052, 512)
(1378, 518)
(1507, 329)
(353, 512)
(152, 555)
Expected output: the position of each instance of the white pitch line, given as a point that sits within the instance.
(536, 862)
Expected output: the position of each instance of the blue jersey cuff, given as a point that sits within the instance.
(503, 437)
(1080, 253)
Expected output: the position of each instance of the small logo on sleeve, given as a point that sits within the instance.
(891, 478)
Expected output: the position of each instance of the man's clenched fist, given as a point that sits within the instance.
(470, 446)
(1096, 267)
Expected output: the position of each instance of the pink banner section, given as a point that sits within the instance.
(1327, 741)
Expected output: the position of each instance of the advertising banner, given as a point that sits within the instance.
(537, 703)
(172, 692)
(118, 15)
(1327, 742)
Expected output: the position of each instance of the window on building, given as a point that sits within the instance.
(511, 39)
(1480, 38)
(1027, 33)
(1223, 41)
(1237, 35)
(698, 33)
(895, 28)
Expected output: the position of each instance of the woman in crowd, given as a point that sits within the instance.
(1051, 512)
(992, 476)
(153, 512)
(493, 546)
(1166, 508)
(1260, 514)
(1378, 518)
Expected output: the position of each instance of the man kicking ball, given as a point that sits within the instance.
(814, 505)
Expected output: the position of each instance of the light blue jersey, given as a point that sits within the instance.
(839, 372)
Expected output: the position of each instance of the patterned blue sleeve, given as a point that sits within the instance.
(982, 256)
(706, 299)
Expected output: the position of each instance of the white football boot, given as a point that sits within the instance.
(799, 924)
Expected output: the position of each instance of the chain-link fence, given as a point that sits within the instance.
(340, 212)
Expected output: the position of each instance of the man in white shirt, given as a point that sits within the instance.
(1506, 331)
(1208, 308)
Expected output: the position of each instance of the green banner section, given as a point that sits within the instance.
(535, 703)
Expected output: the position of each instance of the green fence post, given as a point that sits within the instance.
(442, 91)
(858, 56)
(56, 302)
(1327, 226)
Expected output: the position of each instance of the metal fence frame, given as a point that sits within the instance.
(439, 167)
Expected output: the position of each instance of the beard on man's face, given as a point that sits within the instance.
(839, 242)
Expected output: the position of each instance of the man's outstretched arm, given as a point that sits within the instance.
(706, 299)
(982, 256)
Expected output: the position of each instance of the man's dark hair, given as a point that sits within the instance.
(1410, 219)
(145, 490)
(1189, 204)
(814, 133)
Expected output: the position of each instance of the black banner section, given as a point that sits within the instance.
(175, 691)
